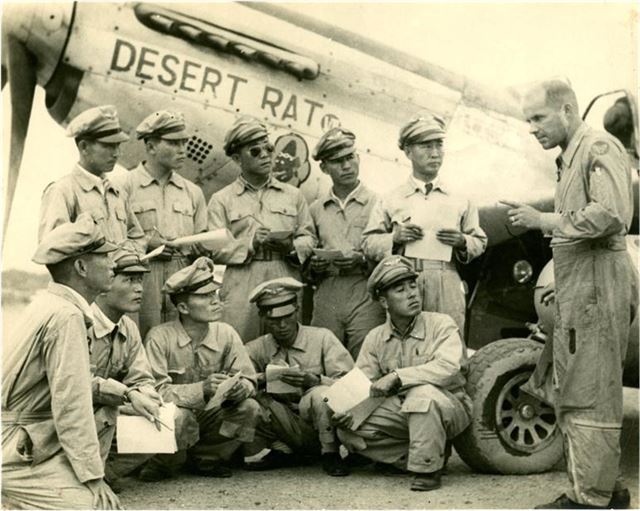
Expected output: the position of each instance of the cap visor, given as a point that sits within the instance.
(427, 138)
(342, 152)
(103, 249)
(137, 268)
(209, 288)
(399, 278)
(280, 312)
(178, 135)
(112, 139)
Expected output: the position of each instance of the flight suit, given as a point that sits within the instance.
(241, 208)
(409, 430)
(594, 279)
(441, 286)
(82, 192)
(51, 441)
(176, 209)
(118, 363)
(180, 368)
(341, 301)
(300, 420)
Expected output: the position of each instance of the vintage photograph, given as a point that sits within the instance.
(262, 255)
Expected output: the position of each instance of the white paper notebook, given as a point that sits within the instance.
(135, 434)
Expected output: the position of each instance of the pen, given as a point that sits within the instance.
(231, 364)
(158, 421)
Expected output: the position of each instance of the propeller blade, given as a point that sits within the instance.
(22, 84)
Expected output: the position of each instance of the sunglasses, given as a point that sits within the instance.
(257, 150)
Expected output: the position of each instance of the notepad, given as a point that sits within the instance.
(135, 434)
(221, 392)
(275, 385)
(351, 394)
(431, 217)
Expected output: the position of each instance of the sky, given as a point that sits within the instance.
(595, 45)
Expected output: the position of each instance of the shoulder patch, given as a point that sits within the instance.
(600, 147)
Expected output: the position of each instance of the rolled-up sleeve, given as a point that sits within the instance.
(238, 249)
(304, 239)
(377, 238)
(475, 237)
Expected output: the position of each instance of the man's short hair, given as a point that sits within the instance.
(177, 298)
(559, 93)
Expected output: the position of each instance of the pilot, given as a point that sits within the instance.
(299, 422)
(398, 220)
(618, 120)
(341, 302)
(190, 357)
(121, 372)
(51, 454)
(594, 281)
(269, 220)
(167, 205)
(87, 189)
(415, 360)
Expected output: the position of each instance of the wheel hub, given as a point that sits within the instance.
(522, 422)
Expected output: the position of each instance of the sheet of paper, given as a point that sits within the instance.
(275, 385)
(135, 434)
(211, 240)
(432, 217)
(329, 255)
(221, 392)
(349, 391)
(156, 251)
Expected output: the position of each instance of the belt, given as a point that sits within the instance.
(425, 264)
(344, 272)
(262, 254)
(10, 418)
(614, 243)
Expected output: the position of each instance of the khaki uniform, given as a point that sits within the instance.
(341, 302)
(410, 429)
(180, 368)
(442, 289)
(46, 401)
(594, 279)
(299, 421)
(176, 209)
(118, 363)
(81, 192)
(242, 209)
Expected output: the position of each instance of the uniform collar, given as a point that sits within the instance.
(566, 156)
(242, 185)
(359, 194)
(102, 325)
(89, 181)
(417, 331)
(416, 185)
(72, 296)
(210, 339)
(146, 179)
(300, 344)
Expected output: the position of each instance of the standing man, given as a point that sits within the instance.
(593, 290)
(167, 206)
(87, 189)
(301, 420)
(391, 225)
(121, 371)
(51, 451)
(190, 357)
(341, 302)
(416, 359)
(270, 222)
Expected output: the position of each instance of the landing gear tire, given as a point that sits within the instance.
(510, 431)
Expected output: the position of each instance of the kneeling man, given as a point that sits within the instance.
(190, 357)
(121, 372)
(299, 421)
(416, 359)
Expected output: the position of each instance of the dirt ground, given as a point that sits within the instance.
(309, 488)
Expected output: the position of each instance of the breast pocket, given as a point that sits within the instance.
(121, 215)
(183, 212)
(284, 216)
(147, 214)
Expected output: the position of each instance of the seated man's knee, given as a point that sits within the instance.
(186, 428)
(249, 408)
